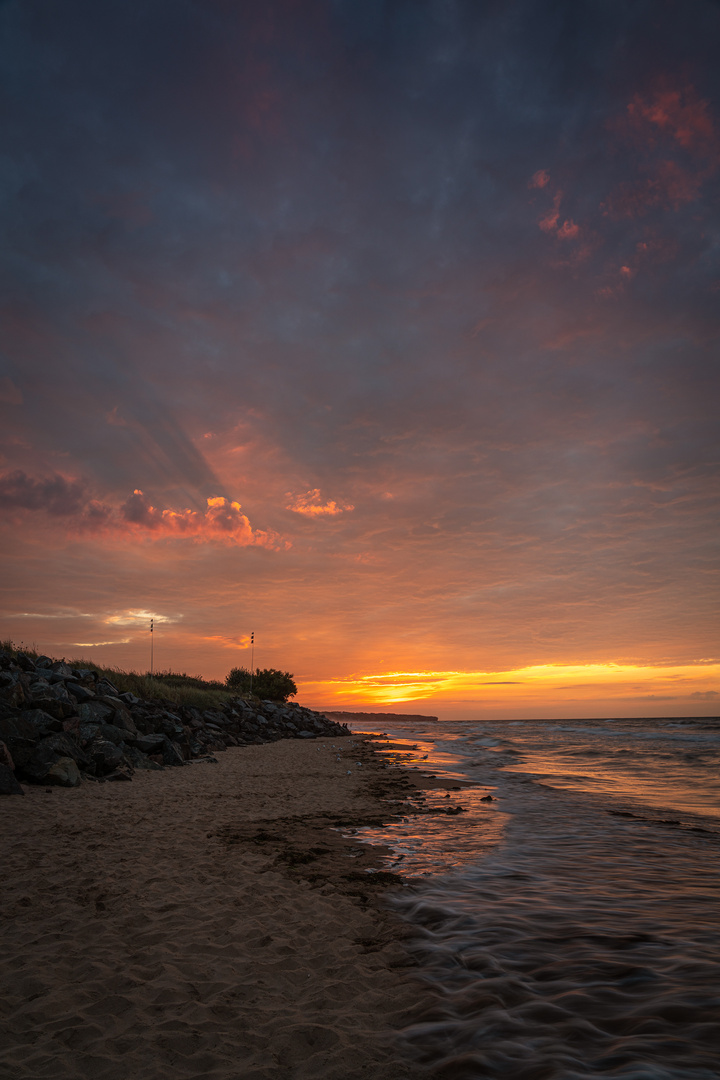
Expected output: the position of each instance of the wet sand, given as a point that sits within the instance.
(205, 921)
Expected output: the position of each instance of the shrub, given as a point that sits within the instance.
(266, 683)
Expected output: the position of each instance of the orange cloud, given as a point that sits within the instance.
(222, 520)
(311, 505)
(228, 641)
(65, 498)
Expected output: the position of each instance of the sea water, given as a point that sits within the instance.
(570, 927)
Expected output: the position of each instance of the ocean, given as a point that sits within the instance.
(570, 927)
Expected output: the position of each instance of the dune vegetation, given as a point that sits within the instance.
(179, 688)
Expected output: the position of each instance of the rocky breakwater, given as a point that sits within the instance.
(60, 725)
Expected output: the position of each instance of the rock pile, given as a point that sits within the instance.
(60, 725)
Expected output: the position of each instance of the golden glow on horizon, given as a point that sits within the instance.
(541, 681)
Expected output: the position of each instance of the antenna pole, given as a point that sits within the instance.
(252, 657)
(152, 657)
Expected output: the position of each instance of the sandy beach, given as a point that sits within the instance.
(204, 922)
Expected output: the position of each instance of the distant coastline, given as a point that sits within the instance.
(343, 717)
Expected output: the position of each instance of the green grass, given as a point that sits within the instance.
(178, 689)
(173, 686)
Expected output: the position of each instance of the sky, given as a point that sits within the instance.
(385, 330)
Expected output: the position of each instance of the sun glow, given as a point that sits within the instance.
(538, 683)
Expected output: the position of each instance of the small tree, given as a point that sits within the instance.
(266, 683)
(238, 679)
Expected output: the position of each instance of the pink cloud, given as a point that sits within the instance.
(568, 230)
(548, 222)
(540, 179)
(677, 113)
(677, 150)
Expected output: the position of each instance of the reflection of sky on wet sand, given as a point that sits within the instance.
(435, 843)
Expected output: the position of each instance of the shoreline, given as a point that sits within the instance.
(209, 920)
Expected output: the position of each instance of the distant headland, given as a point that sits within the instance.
(388, 717)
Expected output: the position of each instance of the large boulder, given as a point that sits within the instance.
(80, 693)
(37, 687)
(49, 701)
(24, 662)
(8, 782)
(171, 753)
(56, 679)
(61, 668)
(164, 722)
(86, 674)
(86, 732)
(20, 736)
(47, 753)
(105, 755)
(6, 757)
(66, 746)
(107, 710)
(12, 693)
(121, 717)
(63, 772)
(141, 761)
(114, 734)
(106, 689)
(96, 712)
(150, 744)
(43, 722)
(129, 699)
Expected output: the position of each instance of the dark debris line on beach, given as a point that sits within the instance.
(60, 725)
